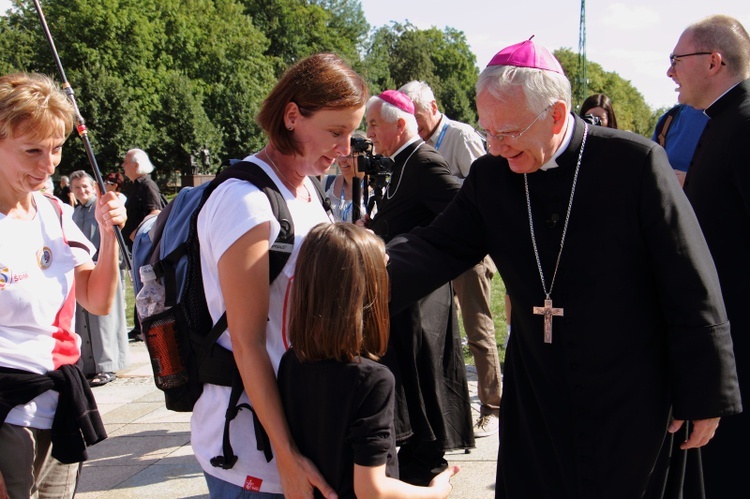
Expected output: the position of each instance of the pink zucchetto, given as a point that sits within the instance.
(527, 54)
(398, 99)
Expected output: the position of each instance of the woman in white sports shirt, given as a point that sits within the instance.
(45, 266)
(309, 118)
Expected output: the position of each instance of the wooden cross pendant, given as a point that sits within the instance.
(548, 311)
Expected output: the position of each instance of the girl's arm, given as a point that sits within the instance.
(243, 276)
(3, 490)
(372, 482)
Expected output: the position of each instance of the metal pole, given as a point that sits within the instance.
(81, 128)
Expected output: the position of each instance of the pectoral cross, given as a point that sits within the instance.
(548, 311)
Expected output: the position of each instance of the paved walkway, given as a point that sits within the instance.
(148, 451)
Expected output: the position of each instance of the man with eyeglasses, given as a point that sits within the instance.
(620, 337)
(711, 66)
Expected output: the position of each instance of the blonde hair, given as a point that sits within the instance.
(339, 298)
(32, 103)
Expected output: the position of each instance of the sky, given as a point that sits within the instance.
(632, 38)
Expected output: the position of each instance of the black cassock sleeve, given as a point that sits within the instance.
(428, 257)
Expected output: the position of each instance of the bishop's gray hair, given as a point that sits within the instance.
(390, 113)
(540, 87)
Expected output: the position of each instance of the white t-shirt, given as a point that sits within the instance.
(232, 210)
(37, 300)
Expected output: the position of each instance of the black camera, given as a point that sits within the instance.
(592, 119)
(368, 163)
(376, 167)
(359, 144)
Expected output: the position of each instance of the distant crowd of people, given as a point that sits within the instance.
(623, 258)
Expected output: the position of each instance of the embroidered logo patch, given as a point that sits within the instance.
(6, 277)
(253, 483)
(44, 258)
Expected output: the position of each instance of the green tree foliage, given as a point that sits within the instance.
(347, 21)
(629, 105)
(175, 76)
(181, 140)
(298, 28)
(169, 77)
(400, 53)
(377, 60)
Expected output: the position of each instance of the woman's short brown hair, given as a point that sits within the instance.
(339, 298)
(116, 179)
(31, 102)
(320, 81)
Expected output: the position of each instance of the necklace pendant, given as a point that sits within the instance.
(548, 311)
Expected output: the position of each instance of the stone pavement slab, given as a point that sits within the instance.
(148, 453)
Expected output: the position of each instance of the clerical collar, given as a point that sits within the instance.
(570, 125)
(708, 109)
(410, 141)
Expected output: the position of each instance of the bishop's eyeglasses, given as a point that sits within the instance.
(511, 135)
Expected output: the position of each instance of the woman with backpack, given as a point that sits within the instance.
(309, 117)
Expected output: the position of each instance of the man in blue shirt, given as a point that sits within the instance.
(678, 131)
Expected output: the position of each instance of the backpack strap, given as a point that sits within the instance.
(228, 459)
(282, 247)
(279, 254)
(324, 200)
(251, 172)
(663, 126)
(56, 206)
(58, 209)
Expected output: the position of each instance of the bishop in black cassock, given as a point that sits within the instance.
(433, 411)
(639, 334)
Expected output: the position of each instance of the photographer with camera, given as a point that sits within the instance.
(433, 411)
(376, 169)
(346, 186)
(597, 109)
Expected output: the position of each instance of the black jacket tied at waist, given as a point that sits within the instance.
(77, 423)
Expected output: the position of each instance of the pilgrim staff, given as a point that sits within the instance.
(81, 128)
